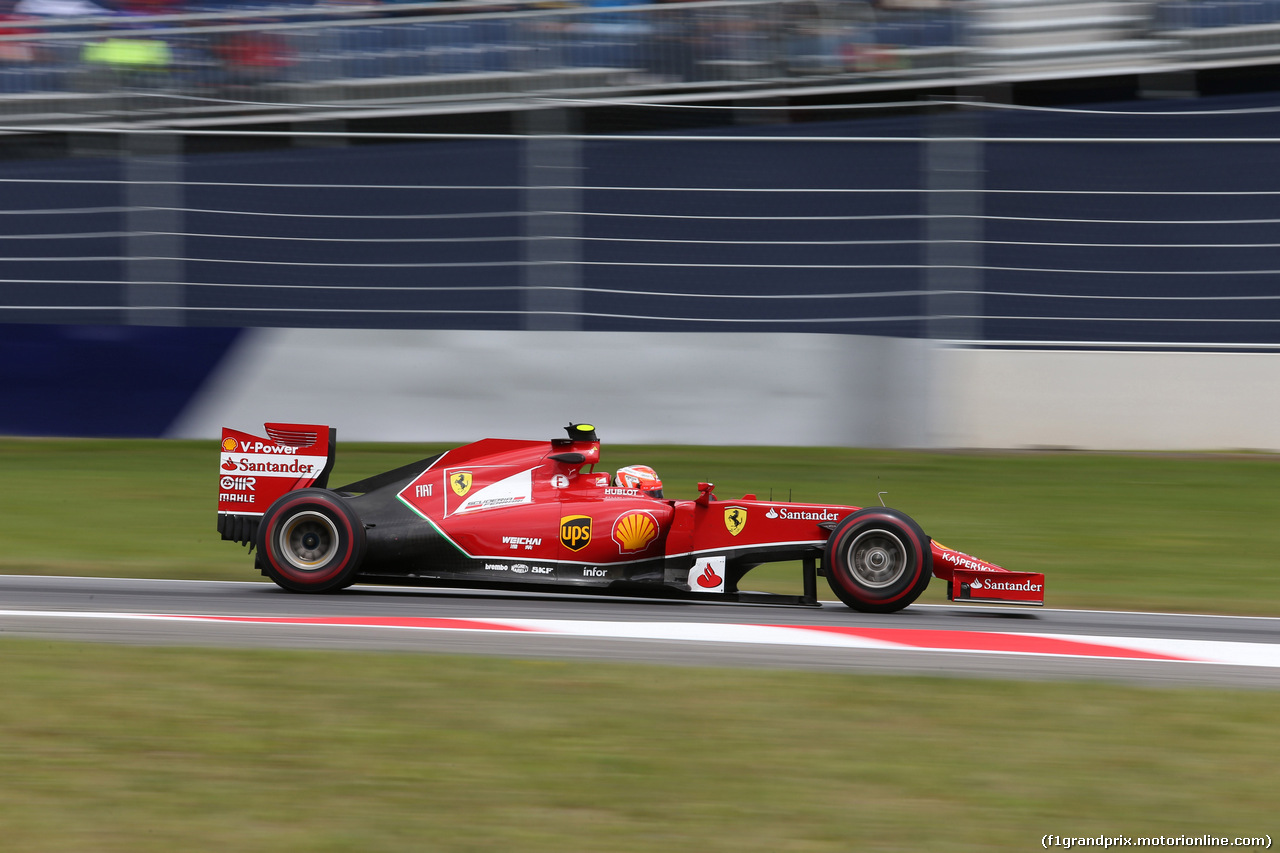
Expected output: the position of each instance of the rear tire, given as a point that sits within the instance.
(310, 541)
(878, 560)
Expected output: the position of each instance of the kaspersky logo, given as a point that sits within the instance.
(575, 532)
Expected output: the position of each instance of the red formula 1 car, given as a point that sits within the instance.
(535, 515)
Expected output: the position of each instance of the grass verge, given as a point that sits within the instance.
(1110, 531)
(118, 749)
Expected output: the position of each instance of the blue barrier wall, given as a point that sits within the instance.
(109, 381)
(1143, 268)
(1172, 280)
(1057, 264)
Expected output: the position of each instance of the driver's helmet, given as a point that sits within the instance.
(640, 477)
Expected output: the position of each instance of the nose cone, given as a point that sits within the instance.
(946, 560)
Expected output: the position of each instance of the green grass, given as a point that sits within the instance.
(112, 749)
(116, 749)
(1110, 531)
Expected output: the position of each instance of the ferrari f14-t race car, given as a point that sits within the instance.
(535, 515)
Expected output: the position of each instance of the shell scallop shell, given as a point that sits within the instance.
(635, 531)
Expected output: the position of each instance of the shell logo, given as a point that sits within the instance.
(634, 531)
(229, 444)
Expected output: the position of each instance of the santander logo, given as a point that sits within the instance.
(992, 584)
(708, 575)
(229, 465)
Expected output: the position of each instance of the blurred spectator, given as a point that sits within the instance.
(16, 51)
(252, 56)
(60, 8)
(152, 7)
(120, 62)
(675, 44)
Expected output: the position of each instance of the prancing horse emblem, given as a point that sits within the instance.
(735, 518)
(460, 483)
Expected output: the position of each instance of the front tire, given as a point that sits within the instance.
(310, 541)
(878, 560)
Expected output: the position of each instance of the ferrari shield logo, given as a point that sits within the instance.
(735, 518)
(460, 483)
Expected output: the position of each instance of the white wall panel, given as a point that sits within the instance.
(740, 389)
(1110, 400)
(788, 389)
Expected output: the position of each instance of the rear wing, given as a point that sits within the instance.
(254, 471)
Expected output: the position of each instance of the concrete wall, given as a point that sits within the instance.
(1110, 400)
(789, 389)
(739, 389)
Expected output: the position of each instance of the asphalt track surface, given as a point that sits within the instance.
(155, 612)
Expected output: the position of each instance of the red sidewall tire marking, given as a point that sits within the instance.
(345, 533)
(846, 581)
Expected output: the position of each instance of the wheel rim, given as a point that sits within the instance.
(308, 541)
(876, 558)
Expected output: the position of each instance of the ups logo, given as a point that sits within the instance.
(575, 532)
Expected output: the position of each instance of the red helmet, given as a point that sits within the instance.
(640, 477)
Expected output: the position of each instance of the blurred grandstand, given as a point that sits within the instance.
(232, 63)
(1011, 183)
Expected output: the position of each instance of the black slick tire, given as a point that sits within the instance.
(878, 560)
(310, 541)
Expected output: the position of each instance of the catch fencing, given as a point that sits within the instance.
(969, 223)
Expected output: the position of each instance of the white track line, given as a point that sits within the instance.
(1229, 653)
